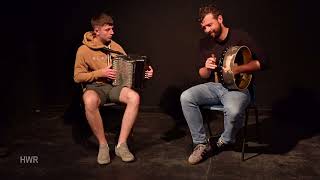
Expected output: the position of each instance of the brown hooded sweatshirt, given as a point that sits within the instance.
(90, 60)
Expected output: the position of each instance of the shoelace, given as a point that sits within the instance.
(197, 150)
(220, 143)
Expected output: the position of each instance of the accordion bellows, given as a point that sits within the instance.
(130, 71)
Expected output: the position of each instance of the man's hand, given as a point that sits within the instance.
(109, 73)
(211, 63)
(149, 73)
(228, 69)
(235, 69)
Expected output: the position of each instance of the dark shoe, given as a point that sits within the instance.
(200, 153)
(220, 146)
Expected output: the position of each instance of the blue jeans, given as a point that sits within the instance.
(211, 93)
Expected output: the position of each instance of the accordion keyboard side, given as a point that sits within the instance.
(139, 73)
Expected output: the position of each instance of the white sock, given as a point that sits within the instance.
(103, 145)
(118, 145)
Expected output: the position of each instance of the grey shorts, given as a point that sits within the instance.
(106, 92)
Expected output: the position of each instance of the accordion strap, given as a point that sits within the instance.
(107, 50)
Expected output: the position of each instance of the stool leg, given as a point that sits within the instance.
(257, 125)
(244, 143)
(206, 114)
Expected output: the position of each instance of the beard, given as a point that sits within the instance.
(215, 34)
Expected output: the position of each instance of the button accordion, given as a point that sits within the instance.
(130, 71)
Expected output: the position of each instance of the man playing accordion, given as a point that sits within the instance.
(93, 67)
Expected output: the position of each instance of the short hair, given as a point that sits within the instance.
(209, 9)
(101, 19)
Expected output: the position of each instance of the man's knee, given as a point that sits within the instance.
(134, 97)
(185, 96)
(131, 97)
(233, 111)
(91, 100)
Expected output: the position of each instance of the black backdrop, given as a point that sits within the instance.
(40, 39)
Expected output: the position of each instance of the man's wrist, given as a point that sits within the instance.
(207, 69)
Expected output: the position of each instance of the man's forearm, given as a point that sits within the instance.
(247, 68)
(87, 76)
(204, 72)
